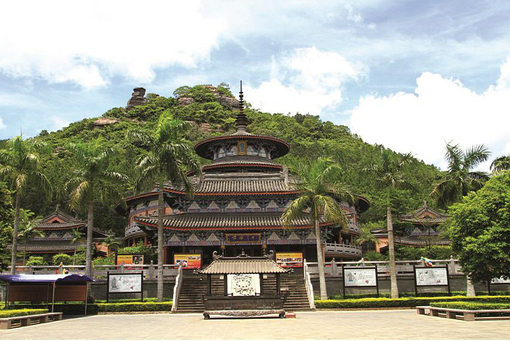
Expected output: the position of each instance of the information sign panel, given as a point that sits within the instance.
(129, 259)
(290, 259)
(500, 280)
(431, 277)
(124, 283)
(360, 277)
(188, 260)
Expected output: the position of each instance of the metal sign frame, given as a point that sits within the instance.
(376, 286)
(431, 267)
(108, 293)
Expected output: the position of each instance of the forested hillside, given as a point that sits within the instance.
(213, 111)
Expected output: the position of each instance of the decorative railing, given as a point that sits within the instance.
(334, 268)
(99, 271)
(308, 285)
(344, 249)
(177, 288)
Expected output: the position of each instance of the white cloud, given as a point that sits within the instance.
(88, 43)
(357, 18)
(306, 80)
(59, 123)
(439, 111)
(2, 125)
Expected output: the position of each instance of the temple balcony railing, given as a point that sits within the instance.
(99, 272)
(342, 250)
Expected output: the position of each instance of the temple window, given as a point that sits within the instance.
(221, 152)
(252, 150)
(242, 147)
(263, 152)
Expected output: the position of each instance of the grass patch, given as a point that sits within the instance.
(21, 312)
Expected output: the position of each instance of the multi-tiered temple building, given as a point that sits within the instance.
(237, 205)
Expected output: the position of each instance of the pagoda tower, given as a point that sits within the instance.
(237, 205)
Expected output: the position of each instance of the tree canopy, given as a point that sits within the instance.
(479, 228)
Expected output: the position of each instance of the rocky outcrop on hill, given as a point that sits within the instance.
(102, 121)
(225, 101)
(137, 98)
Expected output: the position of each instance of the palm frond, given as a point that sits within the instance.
(475, 155)
(295, 210)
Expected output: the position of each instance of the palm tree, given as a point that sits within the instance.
(366, 236)
(27, 231)
(500, 164)
(389, 175)
(319, 200)
(92, 180)
(19, 166)
(168, 156)
(111, 242)
(460, 178)
(77, 236)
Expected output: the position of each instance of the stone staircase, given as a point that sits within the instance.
(192, 290)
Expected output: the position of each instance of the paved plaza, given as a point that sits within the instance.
(380, 324)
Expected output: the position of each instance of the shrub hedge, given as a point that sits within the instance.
(402, 302)
(95, 308)
(21, 312)
(471, 305)
(412, 294)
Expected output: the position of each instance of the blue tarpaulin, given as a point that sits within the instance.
(22, 278)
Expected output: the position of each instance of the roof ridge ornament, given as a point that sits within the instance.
(242, 119)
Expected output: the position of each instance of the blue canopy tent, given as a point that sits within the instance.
(38, 288)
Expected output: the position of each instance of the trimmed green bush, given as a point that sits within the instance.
(402, 302)
(34, 261)
(63, 258)
(471, 305)
(412, 294)
(95, 308)
(135, 306)
(21, 312)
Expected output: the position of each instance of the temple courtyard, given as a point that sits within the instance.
(374, 324)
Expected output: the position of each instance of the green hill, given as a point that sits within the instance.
(213, 111)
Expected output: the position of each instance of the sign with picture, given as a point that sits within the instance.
(243, 285)
(431, 276)
(188, 260)
(500, 280)
(125, 283)
(129, 259)
(360, 277)
(290, 259)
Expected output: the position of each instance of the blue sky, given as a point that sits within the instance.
(411, 75)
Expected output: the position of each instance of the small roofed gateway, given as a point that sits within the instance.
(243, 286)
